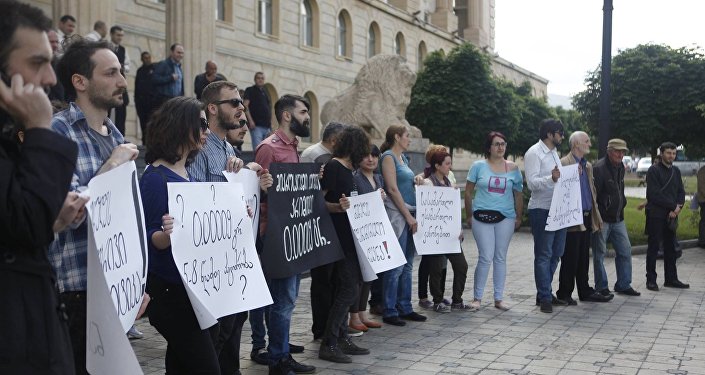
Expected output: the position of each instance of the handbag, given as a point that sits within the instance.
(488, 216)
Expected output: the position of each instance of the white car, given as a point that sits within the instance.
(628, 163)
(643, 166)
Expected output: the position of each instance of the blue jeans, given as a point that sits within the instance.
(258, 134)
(258, 319)
(548, 249)
(397, 282)
(284, 293)
(492, 244)
(617, 234)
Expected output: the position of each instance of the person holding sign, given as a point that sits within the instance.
(575, 262)
(337, 183)
(541, 162)
(399, 185)
(437, 175)
(177, 131)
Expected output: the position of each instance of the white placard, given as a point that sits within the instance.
(438, 217)
(377, 246)
(117, 270)
(250, 185)
(566, 204)
(214, 249)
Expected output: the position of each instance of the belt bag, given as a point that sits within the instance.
(488, 216)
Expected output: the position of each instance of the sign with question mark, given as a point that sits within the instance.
(214, 249)
(250, 186)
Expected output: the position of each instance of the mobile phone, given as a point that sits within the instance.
(5, 78)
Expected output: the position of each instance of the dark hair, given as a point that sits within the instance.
(211, 93)
(288, 103)
(667, 146)
(173, 46)
(389, 139)
(144, 53)
(98, 24)
(332, 129)
(176, 124)
(115, 28)
(67, 17)
(352, 142)
(256, 74)
(78, 59)
(16, 15)
(437, 157)
(549, 126)
(488, 141)
(374, 150)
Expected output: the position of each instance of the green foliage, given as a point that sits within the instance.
(656, 91)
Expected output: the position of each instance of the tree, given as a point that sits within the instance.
(655, 93)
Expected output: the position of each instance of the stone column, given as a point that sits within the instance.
(444, 17)
(86, 12)
(191, 23)
(478, 30)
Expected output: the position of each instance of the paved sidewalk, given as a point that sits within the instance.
(656, 333)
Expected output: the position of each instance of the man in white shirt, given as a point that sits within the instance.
(541, 162)
(67, 25)
(100, 30)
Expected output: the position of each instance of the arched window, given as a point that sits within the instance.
(306, 23)
(268, 17)
(421, 55)
(373, 40)
(344, 35)
(315, 122)
(399, 45)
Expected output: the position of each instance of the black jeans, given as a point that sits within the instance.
(347, 275)
(75, 303)
(363, 294)
(437, 277)
(227, 344)
(701, 226)
(423, 277)
(190, 349)
(575, 263)
(658, 231)
(323, 285)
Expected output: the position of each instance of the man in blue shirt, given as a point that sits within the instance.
(168, 77)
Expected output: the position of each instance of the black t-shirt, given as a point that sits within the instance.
(338, 180)
(259, 106)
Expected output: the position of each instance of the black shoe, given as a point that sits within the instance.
(558, 302)
(377, 310)
(414, 316)
(571, 301)
(348, 347)
(651, 285)
(676, 284)
(546, 307)
(629, 292)
(394, 320)
(597, 297)
(332, 353)
(300, 368)
(606, 292)
(283, 367)
(260, 356)
(295, 348)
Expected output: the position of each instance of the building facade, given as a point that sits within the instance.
(312, 48)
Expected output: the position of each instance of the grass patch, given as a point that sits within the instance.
(635, 220)
(690, 183)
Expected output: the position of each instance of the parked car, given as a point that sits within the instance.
(629, 164)
(643, 166)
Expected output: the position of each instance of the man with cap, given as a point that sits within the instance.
(609, 187)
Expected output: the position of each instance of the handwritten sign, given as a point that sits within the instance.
(438, 218)
(300, 234)
(214, 250)
(377, 246)
(566, 204)
(117, 270)
(250, 185)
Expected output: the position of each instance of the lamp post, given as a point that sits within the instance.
(605, 91)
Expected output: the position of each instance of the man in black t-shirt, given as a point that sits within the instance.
(259, 112)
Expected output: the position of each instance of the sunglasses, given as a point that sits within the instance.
(204, 124)
(233, 102)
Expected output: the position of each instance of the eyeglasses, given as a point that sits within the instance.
(559, 132)
(235, 102)
(500, 144)
(204, 124)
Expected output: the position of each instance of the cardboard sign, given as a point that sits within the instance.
(250, 185)
(300, 234)
(377, 246)
(117, 270)
(566, 204)
(438, 217)
(214, 250)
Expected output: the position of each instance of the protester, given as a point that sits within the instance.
(259, 113)
(352, 145)
(436, 174)
(34, 335)
(399, 185)
(90, 72)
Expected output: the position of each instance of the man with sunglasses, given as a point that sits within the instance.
(541, 163)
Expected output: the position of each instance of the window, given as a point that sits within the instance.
(421, 56)
(399, 46)
(264, 21)
(373, 40)
(315, 122)
(223, 10)
(344, 35)
(306, 24)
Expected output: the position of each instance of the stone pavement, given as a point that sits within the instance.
(657, 333)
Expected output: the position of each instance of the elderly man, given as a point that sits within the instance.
(609, 187)
(575, 261)
(202, 80)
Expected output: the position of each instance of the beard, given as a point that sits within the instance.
(105, 102)
(226, 123)
(299, 129)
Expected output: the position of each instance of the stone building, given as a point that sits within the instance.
(307, 47)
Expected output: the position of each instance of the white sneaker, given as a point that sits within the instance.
(133, 333)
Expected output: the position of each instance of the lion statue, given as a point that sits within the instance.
(377, 99)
